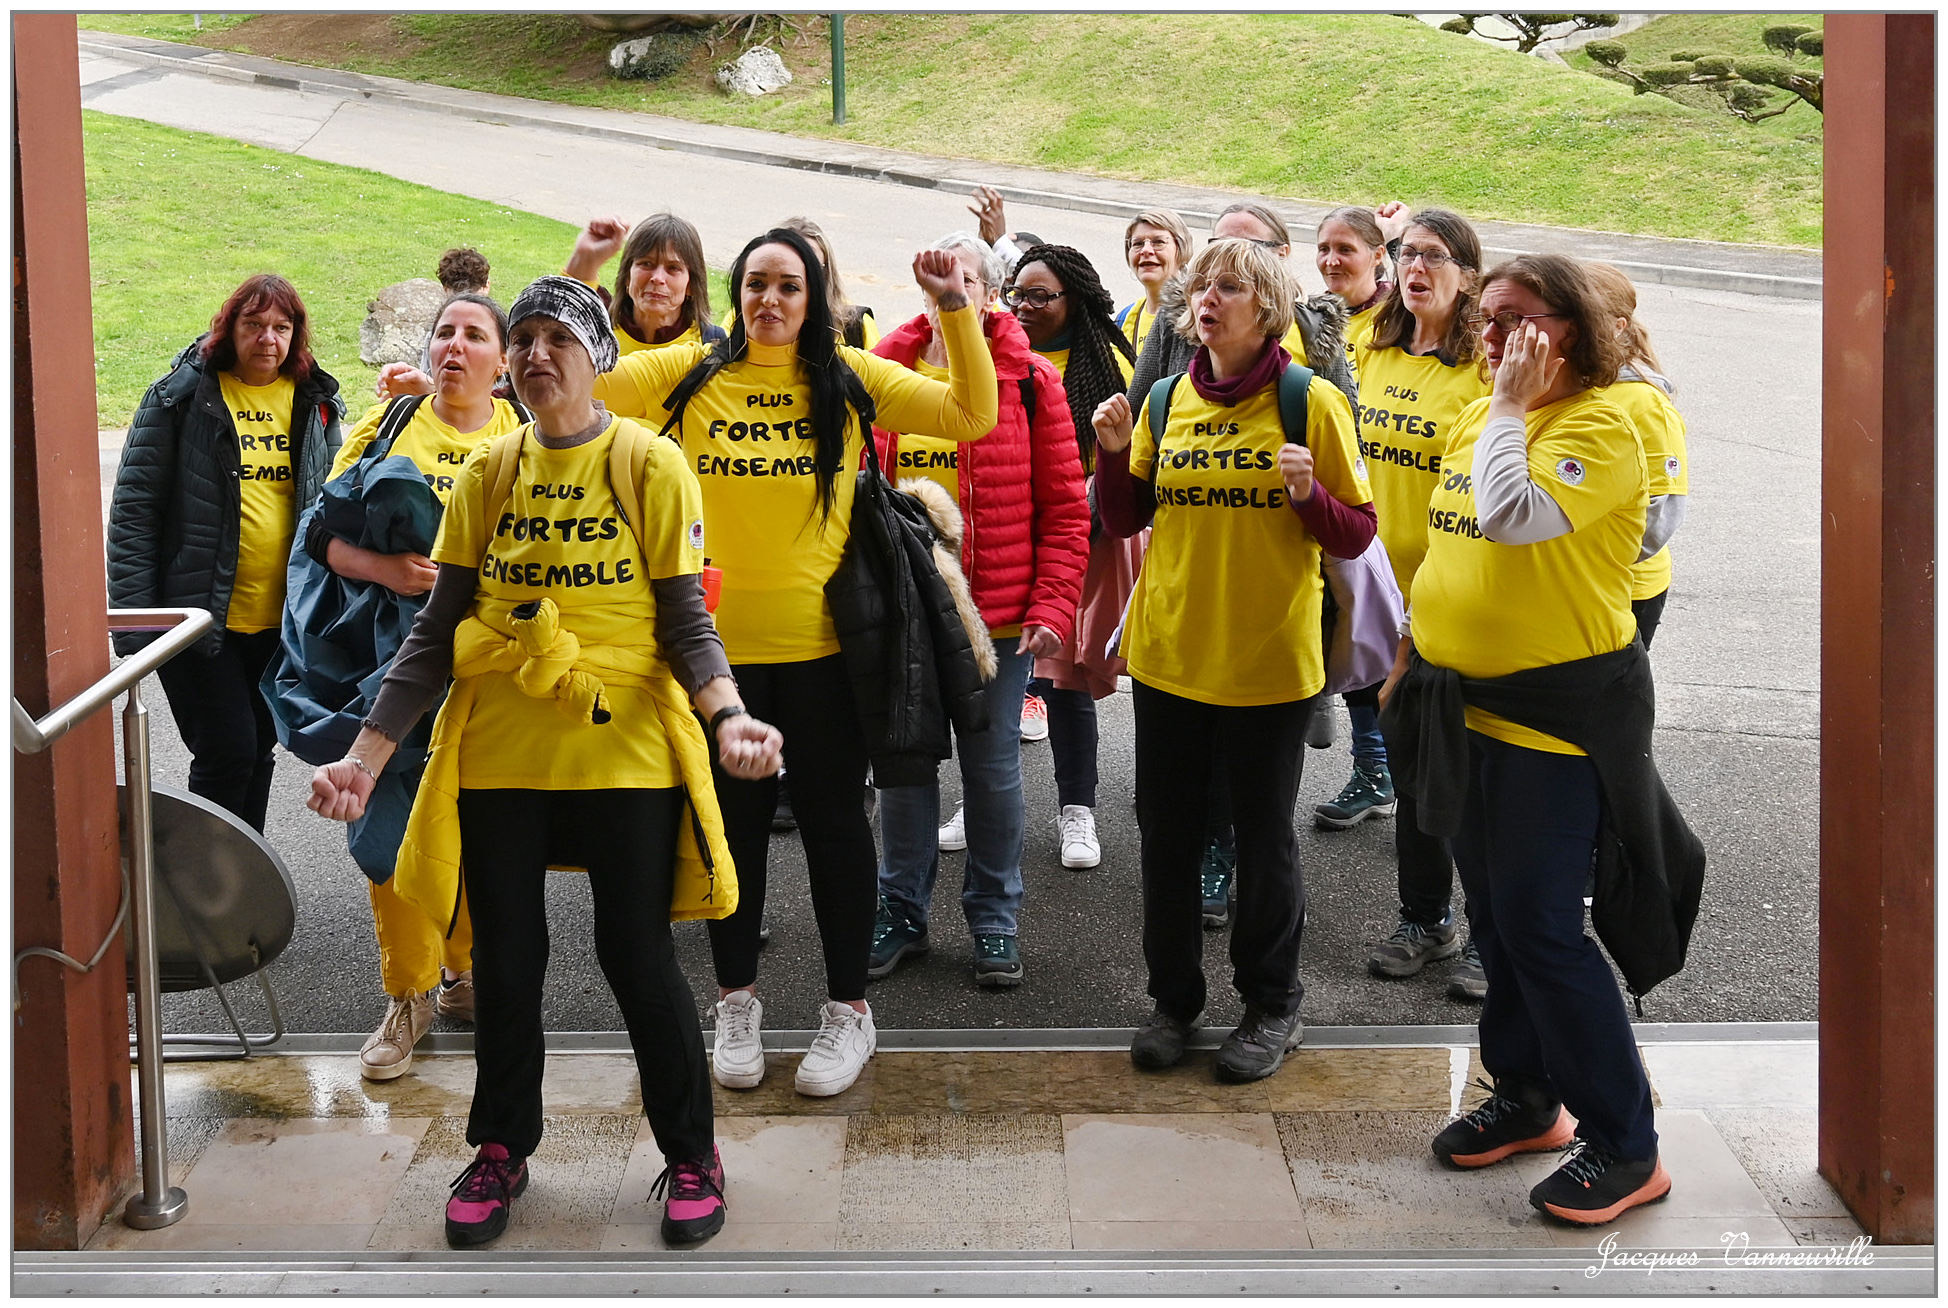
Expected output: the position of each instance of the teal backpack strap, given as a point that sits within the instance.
(1160, 392)
(1123, 316)
(1293, 383)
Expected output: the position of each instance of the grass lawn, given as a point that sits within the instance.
(1361, 107)
(177, 219)
(1729, 34)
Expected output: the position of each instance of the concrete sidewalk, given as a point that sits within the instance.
(961, 1168)
(1710, 265)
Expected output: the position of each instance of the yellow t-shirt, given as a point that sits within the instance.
(438, 449)
(628, 344)
(1226, 608)
(1407, 404)
(562, 536)
(1661, 428)
(1359, 334)
(933, 457)
(262, 416)
(1137, 321)
(1487, 610)
(747, 436)
(1060, 358)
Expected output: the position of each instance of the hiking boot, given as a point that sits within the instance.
(845, 1040)
(1413, 946)
(1034, 718)
(1594, 1186)
(1214, 882)
(1321, 729)
(482, 1195)
(1080, 849)
(1259, 1045)
(894, 937)
(737, 1046)
(997, 961)
(782, 818)
(1502, 1125)
(953, 832)
(1367, 793)
(388, 1052)
(693, 1199)
(454, 1000)
(1468, 982)
(1161, 1041)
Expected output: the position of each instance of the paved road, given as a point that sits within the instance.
(1737, 657)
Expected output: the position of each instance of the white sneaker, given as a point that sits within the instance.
(953, 832)
(737, 1050)
(1078, 827)
(1034, 718)
(845, 1040)
(388, 1052)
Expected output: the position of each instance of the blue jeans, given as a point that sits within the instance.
(1363, 710)
(990, 772)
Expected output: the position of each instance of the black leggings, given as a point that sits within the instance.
(825, 773)
(1258, 752)
(1649, 613)
(627, 841)
(225, 722)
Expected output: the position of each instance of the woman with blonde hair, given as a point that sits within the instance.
(1223, 638)
(1156, 245)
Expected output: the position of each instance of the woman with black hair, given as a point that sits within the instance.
(773, 421)
(1071, 321)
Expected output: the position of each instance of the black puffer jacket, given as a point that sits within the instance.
(1322, 325)
(176, 518)
(907, 650)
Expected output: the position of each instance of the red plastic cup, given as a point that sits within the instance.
(713, 586)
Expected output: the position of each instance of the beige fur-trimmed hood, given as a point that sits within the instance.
(945, 516)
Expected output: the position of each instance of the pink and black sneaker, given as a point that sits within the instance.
(693, 1200)
(482, 1194)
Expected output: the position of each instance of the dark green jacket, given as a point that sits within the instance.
(176, 518)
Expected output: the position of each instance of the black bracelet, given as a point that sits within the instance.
(728, 711)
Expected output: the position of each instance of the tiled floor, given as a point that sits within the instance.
(982, 1151)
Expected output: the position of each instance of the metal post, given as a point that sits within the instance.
(159, 1204)
(838, 69)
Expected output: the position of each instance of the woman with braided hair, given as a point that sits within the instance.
(1070, 320)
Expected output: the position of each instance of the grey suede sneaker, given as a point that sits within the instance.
(1259, 1045)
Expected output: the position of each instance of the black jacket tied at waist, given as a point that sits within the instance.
(1649, 864)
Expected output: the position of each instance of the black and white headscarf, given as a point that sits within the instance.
(576, 307)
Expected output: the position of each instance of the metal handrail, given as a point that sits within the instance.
(159, 1204)
(183, 626)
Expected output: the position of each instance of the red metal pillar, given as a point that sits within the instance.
(1877, 661)
(73, 1136)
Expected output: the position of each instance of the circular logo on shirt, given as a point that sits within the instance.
(1569, 472)
(696, 534)
(1671, 466)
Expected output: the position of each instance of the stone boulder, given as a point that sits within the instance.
(398, 321)
(648, 58)
(755, 72)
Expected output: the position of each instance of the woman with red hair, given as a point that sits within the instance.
(224, 452)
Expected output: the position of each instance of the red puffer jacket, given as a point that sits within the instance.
(1025, 542)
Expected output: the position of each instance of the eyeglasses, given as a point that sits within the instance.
(1510, 320)
(1032, 296)
(1433, 259)
(1228, 287)
(1153, 243)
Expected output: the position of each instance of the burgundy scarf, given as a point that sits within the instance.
(1263, 372)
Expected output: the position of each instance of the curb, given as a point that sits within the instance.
(927, 172)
